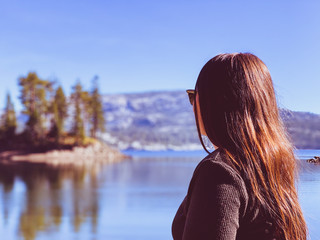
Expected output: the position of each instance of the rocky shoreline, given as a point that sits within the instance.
(315, 159)
(92, 154)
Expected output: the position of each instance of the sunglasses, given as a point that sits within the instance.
(191, 95)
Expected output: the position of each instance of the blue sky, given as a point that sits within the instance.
(140, 45)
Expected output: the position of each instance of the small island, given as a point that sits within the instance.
(91, 153)
(57, 129)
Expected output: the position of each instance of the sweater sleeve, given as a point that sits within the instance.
(215, 201)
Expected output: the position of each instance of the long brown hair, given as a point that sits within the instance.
(240, 115)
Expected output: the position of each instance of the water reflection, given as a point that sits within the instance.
(134, 199)
(49, 194)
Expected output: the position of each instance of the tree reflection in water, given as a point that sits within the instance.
(51, 193)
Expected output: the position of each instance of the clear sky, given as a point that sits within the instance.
(142, 45)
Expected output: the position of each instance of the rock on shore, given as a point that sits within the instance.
(315, 159)
(94, 153)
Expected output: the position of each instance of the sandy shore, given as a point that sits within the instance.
(95, 153)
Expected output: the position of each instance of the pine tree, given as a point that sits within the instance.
(34, 93)
(59, 109)
(86, 110)
(77, 99)
(96, 110)
(9, 122)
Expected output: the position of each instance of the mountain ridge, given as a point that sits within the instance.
(164, 120)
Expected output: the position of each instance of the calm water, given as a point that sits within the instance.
(135, 199)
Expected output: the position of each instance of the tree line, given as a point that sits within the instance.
(47, 108)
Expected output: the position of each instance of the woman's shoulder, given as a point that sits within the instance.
(219, 164)
(215, 174)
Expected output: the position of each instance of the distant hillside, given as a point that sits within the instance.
(164, 120)
(303, 128)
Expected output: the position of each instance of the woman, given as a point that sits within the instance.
(245, 189)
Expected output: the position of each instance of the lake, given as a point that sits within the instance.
(135, 199)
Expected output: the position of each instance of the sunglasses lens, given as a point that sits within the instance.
(191, 95)
(191, 98)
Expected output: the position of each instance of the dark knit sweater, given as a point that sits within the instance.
(218, 205)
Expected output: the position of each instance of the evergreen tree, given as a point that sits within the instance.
(96, 110)
(86, 110)
(9, 122)
(59, 109)
(34, 92)
(77, 99)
